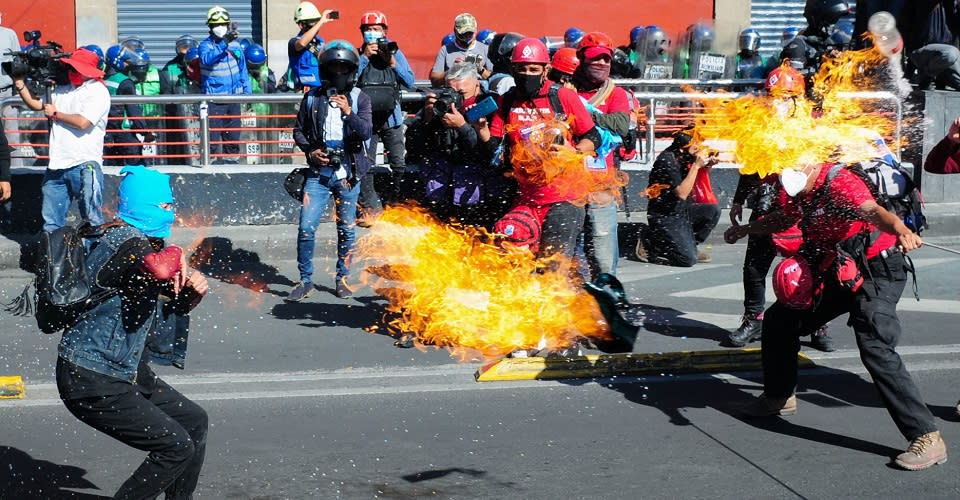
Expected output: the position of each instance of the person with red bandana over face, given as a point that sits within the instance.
(592, 79)
(77, 113)
(855, 249)
(532, 100)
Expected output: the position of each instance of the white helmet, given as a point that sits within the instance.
(305, 12)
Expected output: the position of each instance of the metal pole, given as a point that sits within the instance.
(938, 247)
(651, 133)
(204, 134)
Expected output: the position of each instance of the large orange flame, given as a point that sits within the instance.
(773, 133)
(452, 286)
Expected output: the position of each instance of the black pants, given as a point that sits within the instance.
(560, 229)
(673, 239)
(756, 264)
(873, 316)
(160, 421)
(371, 200)
(219, 136)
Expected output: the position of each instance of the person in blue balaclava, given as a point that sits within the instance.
(103, 375)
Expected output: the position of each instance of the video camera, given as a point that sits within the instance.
(447, 100)
(38, 62)
(387, 47)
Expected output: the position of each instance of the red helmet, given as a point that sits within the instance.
(565, 60)
(785, 81)
(793, 283)
(530, 50)
(598, 42)
(373, 17)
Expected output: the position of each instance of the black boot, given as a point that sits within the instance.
(749, 331)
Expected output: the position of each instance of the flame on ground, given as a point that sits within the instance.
(452, 287)
(773, 133)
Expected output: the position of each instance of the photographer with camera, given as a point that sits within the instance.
(333, 127)
(77, 114)
(223, 71)
(463, 48)
(303, 50)
(451, 145)
(383, 70)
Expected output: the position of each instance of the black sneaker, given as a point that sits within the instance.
(342, 290)
(822, 341)
(750, 330)
(300, 291)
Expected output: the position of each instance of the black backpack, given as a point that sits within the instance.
(893, 188)
(63, 290)
(383, 87)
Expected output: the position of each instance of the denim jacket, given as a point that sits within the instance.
(111, 337)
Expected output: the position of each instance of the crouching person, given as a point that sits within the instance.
(679, 217)
(103, 374)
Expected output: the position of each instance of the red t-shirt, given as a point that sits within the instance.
(523, 110)
(831, 217)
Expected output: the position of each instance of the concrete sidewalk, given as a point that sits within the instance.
(278, 241)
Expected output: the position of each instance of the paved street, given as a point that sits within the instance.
(305, 403)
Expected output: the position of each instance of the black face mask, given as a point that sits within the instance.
(528, 85)
(343, 82)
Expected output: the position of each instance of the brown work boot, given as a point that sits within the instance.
(925, 451)
(763, 406)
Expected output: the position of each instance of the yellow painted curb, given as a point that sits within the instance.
(11, 387)
(606, 365)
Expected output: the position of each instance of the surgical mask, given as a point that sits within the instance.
(529, 85)
(793, 181)
(219, 31)
(76, 79)
(371, 36)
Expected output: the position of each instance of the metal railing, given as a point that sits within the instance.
(661, 119)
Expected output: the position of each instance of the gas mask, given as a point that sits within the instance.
(219, 31)
(793, 181)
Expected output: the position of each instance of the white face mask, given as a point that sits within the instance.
(219, 31)
(793, 181)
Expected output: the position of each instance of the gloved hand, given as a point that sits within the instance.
(231, 35)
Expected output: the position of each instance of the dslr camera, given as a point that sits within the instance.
(447, 100)
(38, 62)
(335, 155)
(387, 47)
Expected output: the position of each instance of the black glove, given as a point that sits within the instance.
(231, 35)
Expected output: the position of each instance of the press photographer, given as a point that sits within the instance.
(333, 125)
(383, 70)
(450, 140)
(77, 113)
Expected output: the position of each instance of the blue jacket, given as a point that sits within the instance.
(223, 68)
(111, 337)
(404, 76)
(357, 126)
(304, 65)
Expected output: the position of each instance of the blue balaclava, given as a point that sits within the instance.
(142, 191)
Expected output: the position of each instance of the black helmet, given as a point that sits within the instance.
(339, 51)
(796, 51)
(820, 13)
(501, 48)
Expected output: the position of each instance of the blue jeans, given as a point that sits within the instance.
(83, 182)
(600, 238)
(318, 191)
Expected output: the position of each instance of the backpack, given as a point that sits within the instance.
(383, 87)
(892, 187)
(63, 290)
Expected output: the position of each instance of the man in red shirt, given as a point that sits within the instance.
(836, 209)
(592, 79)
(533, 100)
(944, 158)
